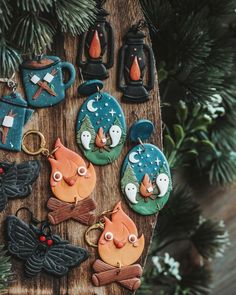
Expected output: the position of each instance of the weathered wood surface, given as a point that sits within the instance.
(59, 121)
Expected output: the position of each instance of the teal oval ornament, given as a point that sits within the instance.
(101, 128)
(146, 179)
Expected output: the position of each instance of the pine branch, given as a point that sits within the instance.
(33, 34)
(211, 239)
(5, 270)
(75, 16)
(11, 58)
(35, 5)
(5, 16)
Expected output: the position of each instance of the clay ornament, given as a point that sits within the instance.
(14, 114)
(43, 80)
(72, 182)
(119, 248)
(40, 249)
(145, 174)
(16, 180)
(135, 59)
(96, 47)
(101, 127)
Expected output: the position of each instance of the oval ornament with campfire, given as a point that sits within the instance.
(101, 128)
(145, 179)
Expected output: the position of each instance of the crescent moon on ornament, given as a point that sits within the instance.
(132, 158)
(90, 106)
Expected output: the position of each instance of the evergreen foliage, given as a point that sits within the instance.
(5, 270)
(30, 29)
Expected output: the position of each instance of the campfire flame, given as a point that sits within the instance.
(146, 187)
(95, 46)
(72, 187)
(120, 251)
(100, 140)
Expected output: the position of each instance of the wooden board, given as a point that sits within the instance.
(59, 121)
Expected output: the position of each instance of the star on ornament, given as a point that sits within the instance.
(139, 150)
(112, 112)
(97, 97)
(157, 161)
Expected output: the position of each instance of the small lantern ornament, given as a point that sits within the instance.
(97, 45)
(135, 59)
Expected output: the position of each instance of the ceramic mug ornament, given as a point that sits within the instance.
(14, 114)
(40, 248)
(145, 174)
(119, 248)
(71, 181)
(101, 127)
(16, 180)
(43, 80)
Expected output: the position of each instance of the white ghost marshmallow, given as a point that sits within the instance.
(115, 134)
(162, 182)
(131, 192)
(86, 139)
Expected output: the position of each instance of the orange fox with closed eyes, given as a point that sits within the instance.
(71, 179)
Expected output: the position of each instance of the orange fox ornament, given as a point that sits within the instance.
(71, 179)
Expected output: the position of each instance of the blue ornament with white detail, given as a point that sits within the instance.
(145, 174)
(43, 80)
(101, 126)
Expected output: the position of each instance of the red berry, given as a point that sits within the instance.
(42, 239)
(49, 242)
(1, 170)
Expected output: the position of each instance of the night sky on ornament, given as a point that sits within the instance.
(149, 160)
(101, 111)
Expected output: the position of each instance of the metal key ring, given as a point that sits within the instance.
(41, 150)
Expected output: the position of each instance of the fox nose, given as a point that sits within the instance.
(70, 180)
(118, 244)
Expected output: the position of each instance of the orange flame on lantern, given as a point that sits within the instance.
(72, 186)
(95, 46)
(135, 72)
(120, 251)
(146, 188)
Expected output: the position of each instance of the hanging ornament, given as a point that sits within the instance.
(40, 248)
(14, 114)
(43, 80)
(135, 59)
(145, 174)
(101, 127)
(97, 46)
(71, 181)
(16, 180)
(119, 249)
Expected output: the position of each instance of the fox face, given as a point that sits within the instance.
(71, 179)
(119, 244)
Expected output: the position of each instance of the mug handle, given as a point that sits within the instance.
(71, 69)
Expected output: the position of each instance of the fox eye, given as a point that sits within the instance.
(132, 238)
(82, 170)
(57, 176)
(108, 236)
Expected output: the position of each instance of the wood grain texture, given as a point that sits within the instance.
(59, 121)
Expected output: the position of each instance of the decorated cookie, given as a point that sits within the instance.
(14, 114)
(101, 127)
(145, 174)
(43, 80)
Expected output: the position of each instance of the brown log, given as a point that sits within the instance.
(127, 276)
(62, 211)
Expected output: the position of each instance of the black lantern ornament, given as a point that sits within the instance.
(97, 48)
(135, 59)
